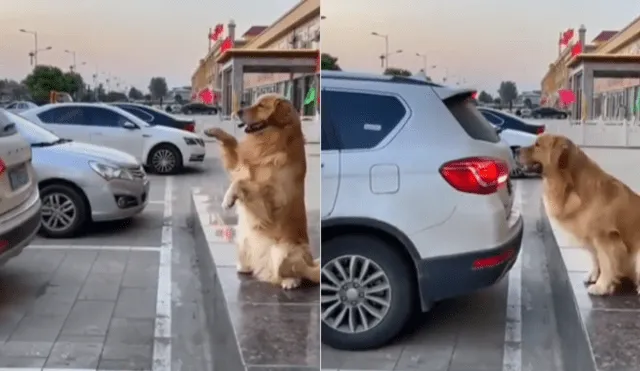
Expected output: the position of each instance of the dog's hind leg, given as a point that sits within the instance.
(243, 265)
(611, 254)
(594, 273)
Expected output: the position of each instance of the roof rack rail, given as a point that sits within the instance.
(340, 75)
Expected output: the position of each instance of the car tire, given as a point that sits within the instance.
(400, 295)
(60, 195)
(170, 154)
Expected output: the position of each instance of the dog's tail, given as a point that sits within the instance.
(311, 271)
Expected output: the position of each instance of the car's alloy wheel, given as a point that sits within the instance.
(165, 160)
(63, 211)
(356, 294)
(367, 291)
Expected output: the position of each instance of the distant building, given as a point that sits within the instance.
(531, 97)
(184, 92)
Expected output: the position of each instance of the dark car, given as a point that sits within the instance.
(199, 109)
(548, 113)
(155, 116)
(504, 120)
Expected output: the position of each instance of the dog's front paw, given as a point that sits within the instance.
(230, 197)
(240, 268)
(216, 133)
(290, 283)
(600, 289)
(592, 277)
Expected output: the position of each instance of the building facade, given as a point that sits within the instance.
(297, 29)
(613, 97)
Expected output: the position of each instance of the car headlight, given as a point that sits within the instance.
(190, 141)
(109, 172)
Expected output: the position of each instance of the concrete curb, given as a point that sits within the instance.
(577, 353)
(225, 351)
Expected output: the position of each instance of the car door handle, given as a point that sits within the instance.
(322, 165)
(146, 135)
(97, 133)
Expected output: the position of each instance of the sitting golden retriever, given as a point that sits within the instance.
(598, 209)
(267, 171)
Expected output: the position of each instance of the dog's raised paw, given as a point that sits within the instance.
(242, 269)
(290, 283)
(229, 199)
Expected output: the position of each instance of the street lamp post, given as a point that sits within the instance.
(35, 40)
(73, 55)
(384, 62)
(424, 61)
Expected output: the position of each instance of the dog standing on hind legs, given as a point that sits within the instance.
(267, 170)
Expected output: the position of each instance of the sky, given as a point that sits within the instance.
(132, 40)
(480, 42)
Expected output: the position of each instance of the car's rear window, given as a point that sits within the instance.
(471, 120)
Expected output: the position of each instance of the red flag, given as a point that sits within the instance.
(566, 96)
(566, 37)
(226, 45)
(217, 31)
(206, 96)
(576, 49)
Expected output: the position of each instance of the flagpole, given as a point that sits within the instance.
(560, 44)
(209, 37)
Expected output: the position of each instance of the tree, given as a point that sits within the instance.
(74, 84)
(115, 96)
(43, 80)
(508, 92)
(485, 97)
(135, 94)
(397, 72)
(329, 62)
(158, 87)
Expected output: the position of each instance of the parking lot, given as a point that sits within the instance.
(123, 296)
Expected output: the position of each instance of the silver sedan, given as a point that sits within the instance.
(81, 182)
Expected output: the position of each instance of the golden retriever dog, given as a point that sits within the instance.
(267, 170)
(597, 209)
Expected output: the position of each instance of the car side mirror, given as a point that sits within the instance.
(499, 129)
(130, 125)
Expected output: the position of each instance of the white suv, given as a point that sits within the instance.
(416, 204)
(19, 197)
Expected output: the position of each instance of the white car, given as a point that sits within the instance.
(20, 204)
(416, 204)
(162, 149)
(20, 106)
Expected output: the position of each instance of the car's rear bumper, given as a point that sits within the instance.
(12, 242)
(455, 275)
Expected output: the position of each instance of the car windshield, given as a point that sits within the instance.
(36, 136)
(131, 117)
(156, 110)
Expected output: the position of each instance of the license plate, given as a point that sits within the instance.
(18, 177)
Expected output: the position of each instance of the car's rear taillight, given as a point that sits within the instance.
(479, 175)
(190, 127)
(540, 129)
(3, 167)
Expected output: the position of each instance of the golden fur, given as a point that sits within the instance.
(267, 171)
(598, 209)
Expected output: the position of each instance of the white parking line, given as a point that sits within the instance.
(93, 247)
(162, 330)
(156, 202)
(512, 356)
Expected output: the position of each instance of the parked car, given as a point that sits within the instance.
(154, 116)
(196, 108)
(20, 106)
(507, 120)
(516, 132)
(164, 150)
(105, 184)
(406, 166)
(548, 113)
(19, 197)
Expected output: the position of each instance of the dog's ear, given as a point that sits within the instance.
(283, 113)
(560, 154)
